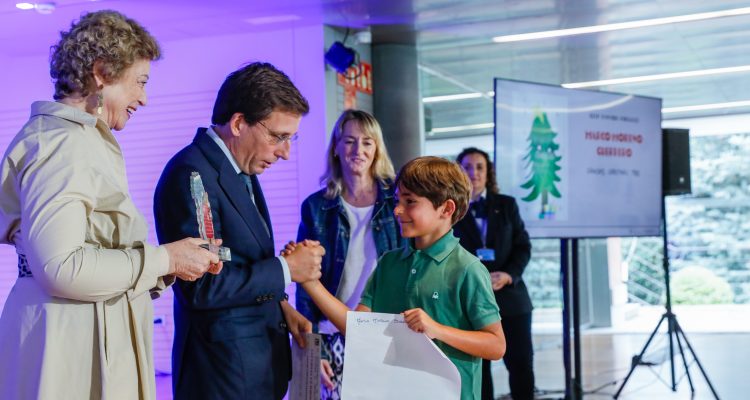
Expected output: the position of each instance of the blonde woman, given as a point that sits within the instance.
(352, 217)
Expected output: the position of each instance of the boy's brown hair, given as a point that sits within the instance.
(438, 180)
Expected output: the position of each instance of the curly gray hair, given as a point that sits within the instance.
(107, 37)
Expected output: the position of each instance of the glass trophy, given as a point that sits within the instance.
(205, 218)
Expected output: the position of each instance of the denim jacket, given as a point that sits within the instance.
(325, 220)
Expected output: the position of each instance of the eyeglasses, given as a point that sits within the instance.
(278, 138)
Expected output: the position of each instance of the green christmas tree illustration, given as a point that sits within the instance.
(542, 161)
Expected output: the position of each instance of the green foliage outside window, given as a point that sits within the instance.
(698, 285)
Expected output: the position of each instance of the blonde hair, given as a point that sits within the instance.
(107, 37)
(438, 180)
(381, 168)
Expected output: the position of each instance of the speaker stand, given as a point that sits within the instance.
(674, 330)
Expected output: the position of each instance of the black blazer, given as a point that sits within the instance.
(507, 235)
(230, 340)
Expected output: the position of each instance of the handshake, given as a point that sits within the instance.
(304, 259)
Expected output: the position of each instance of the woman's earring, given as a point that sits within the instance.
(100, 103)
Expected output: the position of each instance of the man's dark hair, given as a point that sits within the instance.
(256, 90)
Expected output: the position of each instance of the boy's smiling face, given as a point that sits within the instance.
(419, 219)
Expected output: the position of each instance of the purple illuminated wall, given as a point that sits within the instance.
(181, 94)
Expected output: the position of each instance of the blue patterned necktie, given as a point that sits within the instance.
(249, 186)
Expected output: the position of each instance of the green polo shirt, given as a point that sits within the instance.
(450, 284)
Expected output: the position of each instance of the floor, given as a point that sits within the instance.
(606, 360)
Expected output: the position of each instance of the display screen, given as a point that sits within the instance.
(579, 163)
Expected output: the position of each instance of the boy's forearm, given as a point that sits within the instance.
(328, 304)
(487, 343)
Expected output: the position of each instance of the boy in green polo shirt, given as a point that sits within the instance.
(441, 289)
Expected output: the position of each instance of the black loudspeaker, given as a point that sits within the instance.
(675, 161)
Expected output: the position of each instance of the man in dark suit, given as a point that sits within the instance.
(493, 230)
(231, 329)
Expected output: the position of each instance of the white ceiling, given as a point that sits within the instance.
(459, 45)
(455, 46)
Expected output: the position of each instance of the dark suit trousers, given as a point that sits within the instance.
(519, 360)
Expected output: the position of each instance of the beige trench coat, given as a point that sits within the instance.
(81, 327)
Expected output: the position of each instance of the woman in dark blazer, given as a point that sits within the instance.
(494, 232)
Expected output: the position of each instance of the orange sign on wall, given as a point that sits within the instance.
(357, 79)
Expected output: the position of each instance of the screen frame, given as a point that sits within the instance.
(657, 227)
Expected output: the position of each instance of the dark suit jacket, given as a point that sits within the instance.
(507, 235)
(230, 341)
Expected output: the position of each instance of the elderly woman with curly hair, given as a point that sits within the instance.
(352, 217)
(78, 321)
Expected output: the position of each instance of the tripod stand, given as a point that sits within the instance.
(674, 330)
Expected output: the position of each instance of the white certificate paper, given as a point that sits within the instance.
(384, 359)
(305, 383)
